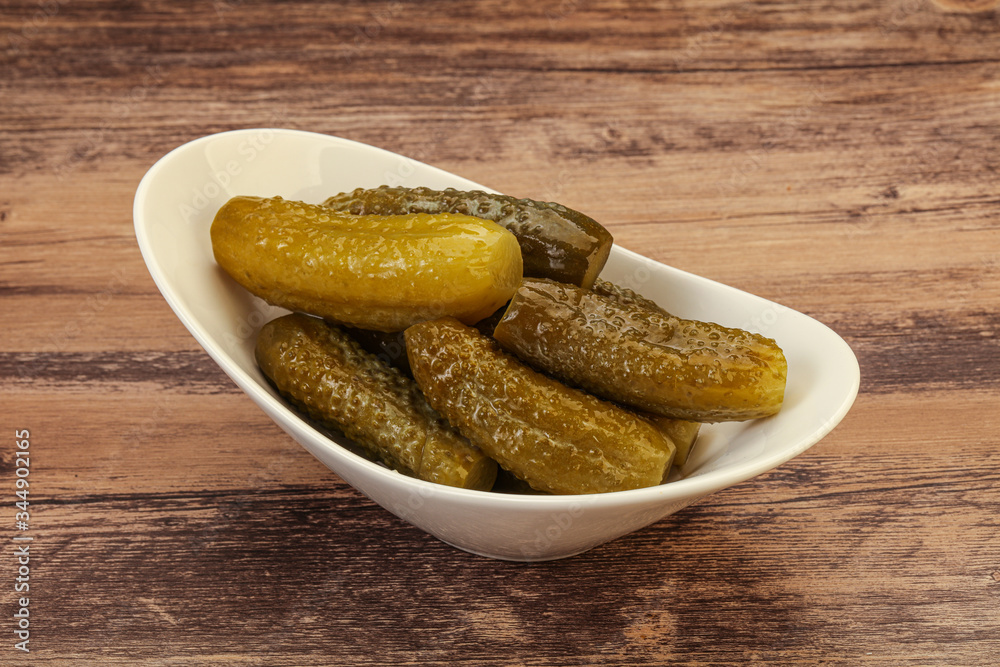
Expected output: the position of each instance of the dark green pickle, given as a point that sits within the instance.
(556, 242)
(682, 433)
(644, 358)
(508, 482)
(487, 325)
(555, 438)
(387, 346)
(624, 296)
(390, 347)
(325, 373)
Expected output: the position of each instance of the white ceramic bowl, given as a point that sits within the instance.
(174, 207)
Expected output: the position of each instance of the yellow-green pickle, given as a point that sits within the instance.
(556, 242)
(556, 438)
(643, 357)
(682, 433)
(326, 374)
(370, 272)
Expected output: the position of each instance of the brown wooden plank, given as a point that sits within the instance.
(839, 158)
(321, 562)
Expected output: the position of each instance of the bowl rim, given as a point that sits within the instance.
(685, 488)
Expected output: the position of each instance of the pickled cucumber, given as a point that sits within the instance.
(624, 296)
(487, 325)
(507, 482)
(632, 354)
(370, 272)
(390, 347)
(558, 439)
(326, 374)
(387, 346)
(682, 433)
(556, 242)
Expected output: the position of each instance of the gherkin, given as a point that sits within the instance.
(556, 242)
(624, 296)
(389, 347)
(644, 358)
(326, 374)
(682, 433)
(370, 272)
(556, 438)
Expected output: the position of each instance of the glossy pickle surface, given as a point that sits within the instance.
(684, 435)
(371, 272)
(556, 438)
(644, 358)
(556, 242)
(326, 374)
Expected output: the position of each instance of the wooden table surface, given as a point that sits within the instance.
(840, 158)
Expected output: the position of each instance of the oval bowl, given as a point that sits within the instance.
(173, 210)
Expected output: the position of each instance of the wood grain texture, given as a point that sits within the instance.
(839, 158)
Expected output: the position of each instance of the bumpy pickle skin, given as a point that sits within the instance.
(642, 358)
(326, 374)
(370, 272)
(556, 242)
(389, 347)
(683, 433)
(556, 438)
(624, 296)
